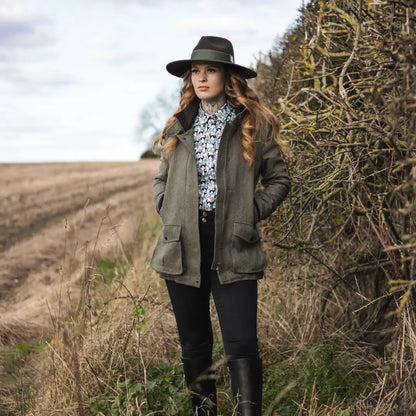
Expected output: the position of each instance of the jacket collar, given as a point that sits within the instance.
(187, 115)
(184, 121)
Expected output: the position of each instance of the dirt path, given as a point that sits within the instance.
(49, 214)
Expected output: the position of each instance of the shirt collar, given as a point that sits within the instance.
(224, 114)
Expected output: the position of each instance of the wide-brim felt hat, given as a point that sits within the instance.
(210, 49)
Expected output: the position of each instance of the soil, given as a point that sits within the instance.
(51, 217)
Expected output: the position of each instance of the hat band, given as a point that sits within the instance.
(211, 55)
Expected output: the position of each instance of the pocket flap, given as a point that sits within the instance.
(246, 232)
(171, 233)
(167, 256)
(247, 254)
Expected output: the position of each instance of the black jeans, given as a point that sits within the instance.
(236, 305)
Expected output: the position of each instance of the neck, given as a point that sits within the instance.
(212, 106)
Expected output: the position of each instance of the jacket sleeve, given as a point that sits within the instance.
(275, 181)
(159, 185)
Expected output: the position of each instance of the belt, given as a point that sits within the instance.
(206, 216)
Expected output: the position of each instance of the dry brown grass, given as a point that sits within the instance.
(15, 330)
(48, 215)
(100, 342)
(91, 349)
(394, 390)
(341, 82)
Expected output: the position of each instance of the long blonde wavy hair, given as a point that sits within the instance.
(238, 94)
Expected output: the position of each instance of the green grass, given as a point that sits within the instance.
(108, 270)
(323, 369)
(14, 358)
(18, 376)
(163, 394)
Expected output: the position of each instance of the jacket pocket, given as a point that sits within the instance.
(167, 257)
(247, 254)
(159, 204)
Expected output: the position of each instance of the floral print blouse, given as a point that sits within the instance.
(207, 131)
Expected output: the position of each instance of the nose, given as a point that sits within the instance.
(202, 76)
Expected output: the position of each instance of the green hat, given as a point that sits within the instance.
(210, 49)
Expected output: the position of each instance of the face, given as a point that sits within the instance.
(208, 80)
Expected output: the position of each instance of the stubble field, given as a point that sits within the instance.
(51, 217)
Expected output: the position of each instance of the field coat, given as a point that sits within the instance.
(240, 204)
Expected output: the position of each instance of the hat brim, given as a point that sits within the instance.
(178, 68)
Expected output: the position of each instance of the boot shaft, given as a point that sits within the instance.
(200, 380)
(246, 385)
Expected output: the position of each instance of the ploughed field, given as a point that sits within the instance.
(51, 217)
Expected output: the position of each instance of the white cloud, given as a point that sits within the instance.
(25, 34)
(230, 24)
(15, 122)
(36, 82)
(24, 27)
(75, 74)
(12, 10)
(112, 49)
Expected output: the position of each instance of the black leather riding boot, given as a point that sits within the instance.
(201, 382)
(246, 385)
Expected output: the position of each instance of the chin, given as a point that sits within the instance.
(204, 96)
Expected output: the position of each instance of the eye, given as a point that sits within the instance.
(212, 70)
(194, 70)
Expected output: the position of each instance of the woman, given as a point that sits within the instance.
(215, 148)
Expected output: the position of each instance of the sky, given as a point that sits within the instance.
(76, 74)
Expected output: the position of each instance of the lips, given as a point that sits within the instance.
(203, 88)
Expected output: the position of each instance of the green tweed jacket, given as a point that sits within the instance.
(240, 204)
